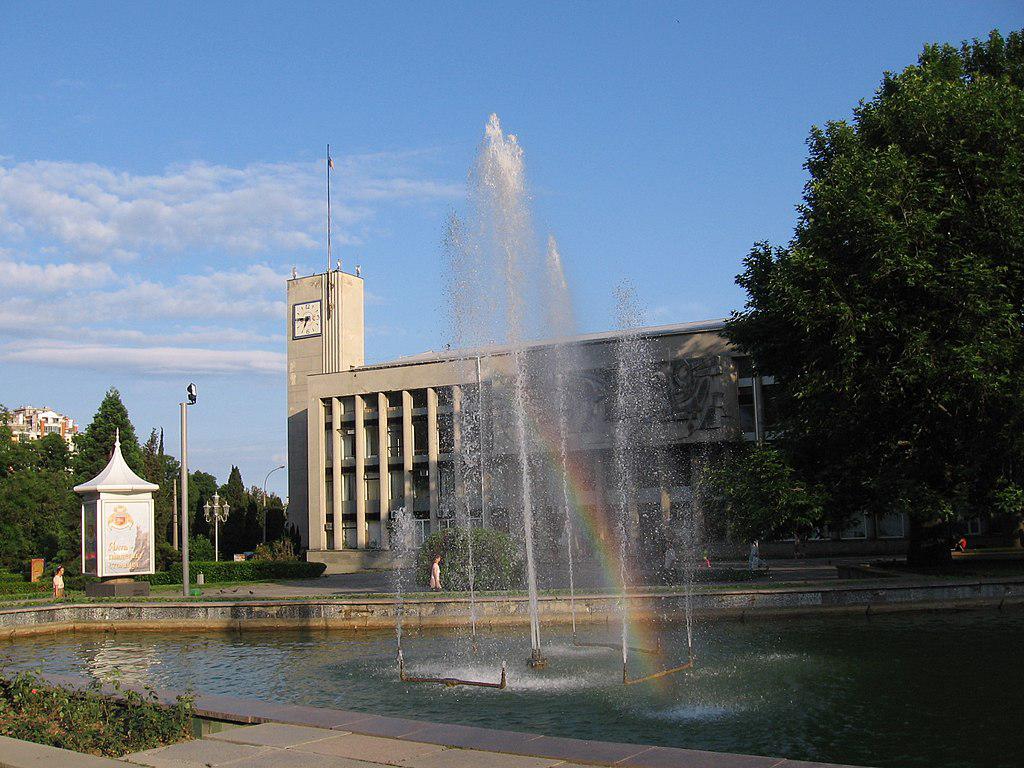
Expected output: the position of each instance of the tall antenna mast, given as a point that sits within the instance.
(330, 165)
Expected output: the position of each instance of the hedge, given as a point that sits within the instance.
(247, 570)
(26, 587)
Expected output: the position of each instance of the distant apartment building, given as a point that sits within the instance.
(31, 423)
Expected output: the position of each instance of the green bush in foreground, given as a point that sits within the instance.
(496, 560)
(88, 722)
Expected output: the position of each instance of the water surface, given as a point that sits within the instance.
(938, 690)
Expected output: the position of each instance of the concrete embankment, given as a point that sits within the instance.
(365, 613)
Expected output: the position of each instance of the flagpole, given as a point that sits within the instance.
(328, 207)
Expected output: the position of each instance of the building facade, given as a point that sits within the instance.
(31, 423)
(366, 440)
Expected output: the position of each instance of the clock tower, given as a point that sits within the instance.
(325, 335)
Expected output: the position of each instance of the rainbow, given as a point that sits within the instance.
(597, 527)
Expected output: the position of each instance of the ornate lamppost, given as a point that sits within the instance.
(216, 513)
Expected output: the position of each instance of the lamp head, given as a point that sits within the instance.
(192, 393)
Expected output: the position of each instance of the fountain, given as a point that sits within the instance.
(507, 289)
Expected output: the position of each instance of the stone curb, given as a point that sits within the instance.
(578, 751)
(863, 597)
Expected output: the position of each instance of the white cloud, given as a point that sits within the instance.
(91, 209)
(152, 360)
(50, 278)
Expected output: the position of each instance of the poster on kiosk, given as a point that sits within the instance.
(117, 521)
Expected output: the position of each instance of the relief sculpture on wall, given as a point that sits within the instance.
(688, 392)
(693, 392)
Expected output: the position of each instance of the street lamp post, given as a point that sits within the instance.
(216, 513)
(265, 500)
(191, 396)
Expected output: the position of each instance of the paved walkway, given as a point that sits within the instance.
(383, 582)
(275, 745)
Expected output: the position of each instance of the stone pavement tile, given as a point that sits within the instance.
(195, 753)
(807, 764)
(291, 758)
(379, 725)
(274, 735)
(252, 711)
(373, 749)
(471, 737)
(25, 754)
(472, 758)
(583, 751)
(668, 757)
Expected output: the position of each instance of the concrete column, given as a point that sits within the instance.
(432, 451)
(407, 449)
(360, 482)
(316, 461)
(384, 461)
(337, 504)
(457, 466)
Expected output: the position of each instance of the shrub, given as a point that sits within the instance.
(26, 588)
(199, 548)
(282, 550)
(88, 722)
(497, 563)
(248, 570)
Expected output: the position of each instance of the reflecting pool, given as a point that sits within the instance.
(897, 690)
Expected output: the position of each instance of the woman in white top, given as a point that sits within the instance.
(58, 582)
(435, 574)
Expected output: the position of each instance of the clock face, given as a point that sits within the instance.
(306, 319)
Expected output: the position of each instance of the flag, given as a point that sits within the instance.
(330, 162)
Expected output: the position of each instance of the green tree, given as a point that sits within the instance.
(201, 487)
(892, 321)
(163, 470)
(757, 495)
(39, 512)
(95, 445)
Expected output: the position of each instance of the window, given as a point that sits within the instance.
(445, 434)
(421, 531)
(348, 443)
(370, 404)
(421, 485)
(396, 480)
(372, 440)
(419, 398)
(856, 527)
(372, 487)
(446, 481)
(348, 487)
(891, 526)
(746, 402)
(419, 437)
(394, 441)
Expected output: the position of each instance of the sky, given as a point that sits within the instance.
(162, 171)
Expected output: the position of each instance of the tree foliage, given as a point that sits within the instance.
(893, 321)
(757, 495)
(95, 445)
(497, 563)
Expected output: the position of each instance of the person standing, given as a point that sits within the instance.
(435, 574)
(755, 555)
(670, 560)
(58, 582)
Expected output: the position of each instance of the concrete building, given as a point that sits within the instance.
(31, 423)
(365, 440)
